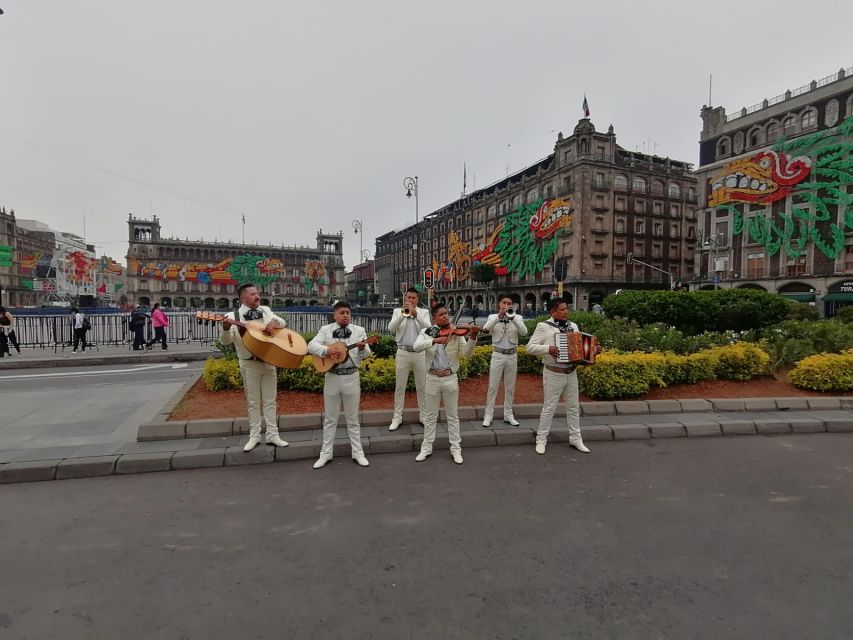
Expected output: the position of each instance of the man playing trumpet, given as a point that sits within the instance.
(506, 326)
(406, 323)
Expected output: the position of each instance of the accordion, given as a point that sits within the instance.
(576, 348)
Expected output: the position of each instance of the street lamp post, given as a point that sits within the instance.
(711, 244)
(411, 187)
(358, 228)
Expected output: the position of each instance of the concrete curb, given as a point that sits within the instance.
(18, 472)
(162, 429)
(94, 361)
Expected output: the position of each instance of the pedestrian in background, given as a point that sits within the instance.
(7, 327)
(159, 320)
(137, 325)
(79, 323)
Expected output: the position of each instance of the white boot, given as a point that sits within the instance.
(361, 460)
(253, 442)
(457, 457)
(322, 460)
(510, 419)
(423, 455)
(395, 424)
(540, 448)
(276, 440)
(487, 420)
(580, 446)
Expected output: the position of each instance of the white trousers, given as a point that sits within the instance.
(337, 389)
(259, 385)
(438, 389)
(504, 366)
(556, 386)
(406, 361)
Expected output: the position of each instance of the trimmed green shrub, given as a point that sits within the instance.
(801, 311)
(844, 314)
(825, 372)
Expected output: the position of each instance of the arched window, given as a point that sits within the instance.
(674, 191)
(492, 211)
(724, 147)
(620, 182)
(738, 146)
(657, 188)
(808, 119)
(773, 131)
(531, 196)
(639, 185)
(789, 125)
(755, 137)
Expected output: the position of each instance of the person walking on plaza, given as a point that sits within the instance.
(406, 323)
(7, 328)
(79, 323)
(506, 326)
(559, 380)
(159, 320)
(442, 383)
(259, 378)
(342, 383)
(137, 324)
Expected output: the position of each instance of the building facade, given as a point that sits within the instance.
(581, 211)
(777, 201)
(198, 274)
(361, 284)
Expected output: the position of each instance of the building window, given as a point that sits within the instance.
(723, 147)
(620, 225)
(674, 191)
(620, 182)
(657, 188)
(674, 210)
(640, 249)
(789, 125)
(691, 232)
(808, 119)
(532, 196)
(755, 265)
(598, 180)
(691, 194)
(657, 208)
(639, 185)
(673, 230)
(599, 223)
(738, 146)
(619, 249)
(514, 202)
(640, 206)
(567, 184)
(598, 267)
(755, 137)
(796, 268)
(658, 229)
(673, 251)
(621, 204)
(640, 227)
(656, 249)
(772, 131)
(546, 190)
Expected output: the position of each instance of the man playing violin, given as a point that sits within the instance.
(406, 323)
(505, 329)
(342, 383)
(443, 344)
(259, 378)
(558, 380)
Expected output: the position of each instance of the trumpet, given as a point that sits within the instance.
(510, 312)
(406, 313)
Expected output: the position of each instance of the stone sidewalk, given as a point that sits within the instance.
(32, 358)
(194, 451)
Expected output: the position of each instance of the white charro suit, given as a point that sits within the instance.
(343, 383)
(555, 385)
(259, 378)
(503, 364)
(405, 330)
(446, 388)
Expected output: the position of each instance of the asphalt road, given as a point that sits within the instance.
(722, 538)
(81, 406)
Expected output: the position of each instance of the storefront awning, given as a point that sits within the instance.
(838, 297)
(800, 296)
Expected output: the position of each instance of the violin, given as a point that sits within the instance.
(454, 330)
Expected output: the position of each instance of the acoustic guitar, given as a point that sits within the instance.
(325, 364)
(282, 347)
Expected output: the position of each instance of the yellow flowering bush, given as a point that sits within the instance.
(825, 372)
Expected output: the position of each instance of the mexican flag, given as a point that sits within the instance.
(585, 107)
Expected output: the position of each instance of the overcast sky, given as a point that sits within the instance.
(310, 115)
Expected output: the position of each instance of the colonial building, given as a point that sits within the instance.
(198, 274)
(581, 211)
(361, 284)
(775, 185)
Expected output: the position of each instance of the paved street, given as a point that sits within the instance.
(73, 407)
(692, 538)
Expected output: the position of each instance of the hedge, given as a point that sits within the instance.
(615, 375)
(825, 372)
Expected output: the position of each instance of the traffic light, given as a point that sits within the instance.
(429, 278)
(560, 270)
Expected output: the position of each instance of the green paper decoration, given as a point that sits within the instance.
(518, 247)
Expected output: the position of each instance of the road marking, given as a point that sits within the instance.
(65, 374)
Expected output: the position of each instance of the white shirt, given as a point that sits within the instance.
(325, 336)
(78, 320)
(399, 326)
(232, 336)
(456, 346)
(543, 338)
(505, 334)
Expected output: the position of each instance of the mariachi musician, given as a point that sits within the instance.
(505, 326)
(259, 377)
(406, 323)
(558, 379)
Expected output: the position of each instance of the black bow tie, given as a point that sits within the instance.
(342, 333)
(563, 326)
(253, 314)
(504, 320)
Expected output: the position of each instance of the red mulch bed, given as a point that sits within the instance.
(199, 403)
